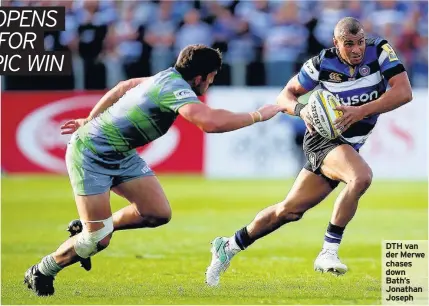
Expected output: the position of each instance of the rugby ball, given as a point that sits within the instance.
(322, 105)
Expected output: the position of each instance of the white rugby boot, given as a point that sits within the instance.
(221, 258)
(328, 261)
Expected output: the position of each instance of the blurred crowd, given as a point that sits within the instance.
(264, 42)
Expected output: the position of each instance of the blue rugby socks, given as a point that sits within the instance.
(333, 237)
(242, 238)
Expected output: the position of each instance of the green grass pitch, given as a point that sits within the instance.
(166, 265)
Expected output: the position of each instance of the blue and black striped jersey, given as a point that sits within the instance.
(354, 85)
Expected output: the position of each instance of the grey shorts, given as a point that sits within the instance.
(90, 174)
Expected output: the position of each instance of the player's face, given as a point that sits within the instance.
(351, 47)
(201, 86)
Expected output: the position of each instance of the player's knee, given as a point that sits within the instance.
(167, 217)
(362, 181)
(159, 220)
(89, 243)
(156, 219)
(167, 214)
(162, 218)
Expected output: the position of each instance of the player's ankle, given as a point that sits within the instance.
(242, 238)
(232, 247)
(333, 247)
(333, 237)
(48, 266)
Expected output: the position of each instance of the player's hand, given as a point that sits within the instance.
(269, 111)
(308, 119)
(351, 114)
(72, 126)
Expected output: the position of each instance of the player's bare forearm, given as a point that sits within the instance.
(399, 94)
(288, 97)
(113, 95)
(220, 120)
(389, 101)
(226, 121)
(216, 120)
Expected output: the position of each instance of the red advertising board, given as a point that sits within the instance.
(31, 140)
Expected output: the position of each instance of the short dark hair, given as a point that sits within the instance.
(197, 60)
(347, 25)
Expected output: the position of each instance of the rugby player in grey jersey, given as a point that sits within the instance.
(101, 155)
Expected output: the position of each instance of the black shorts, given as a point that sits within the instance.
(316, 148)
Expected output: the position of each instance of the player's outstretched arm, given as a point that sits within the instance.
(110, 98)
(220, 120)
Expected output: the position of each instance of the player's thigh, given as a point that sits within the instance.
(88, 176)
(139, 185)
(147, 195)
(345, 164)
(308, 190)
(92, 195)
(93, 209)
(91, 186)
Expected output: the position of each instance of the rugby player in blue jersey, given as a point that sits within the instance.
(357, 70)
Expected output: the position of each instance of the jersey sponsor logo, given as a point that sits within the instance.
(184, 93)
(390, 52)
(357, 99)
(335, 77)
(364, 70)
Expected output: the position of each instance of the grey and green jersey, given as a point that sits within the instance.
(143, 114)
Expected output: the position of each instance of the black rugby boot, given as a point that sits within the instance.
(41, 284)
